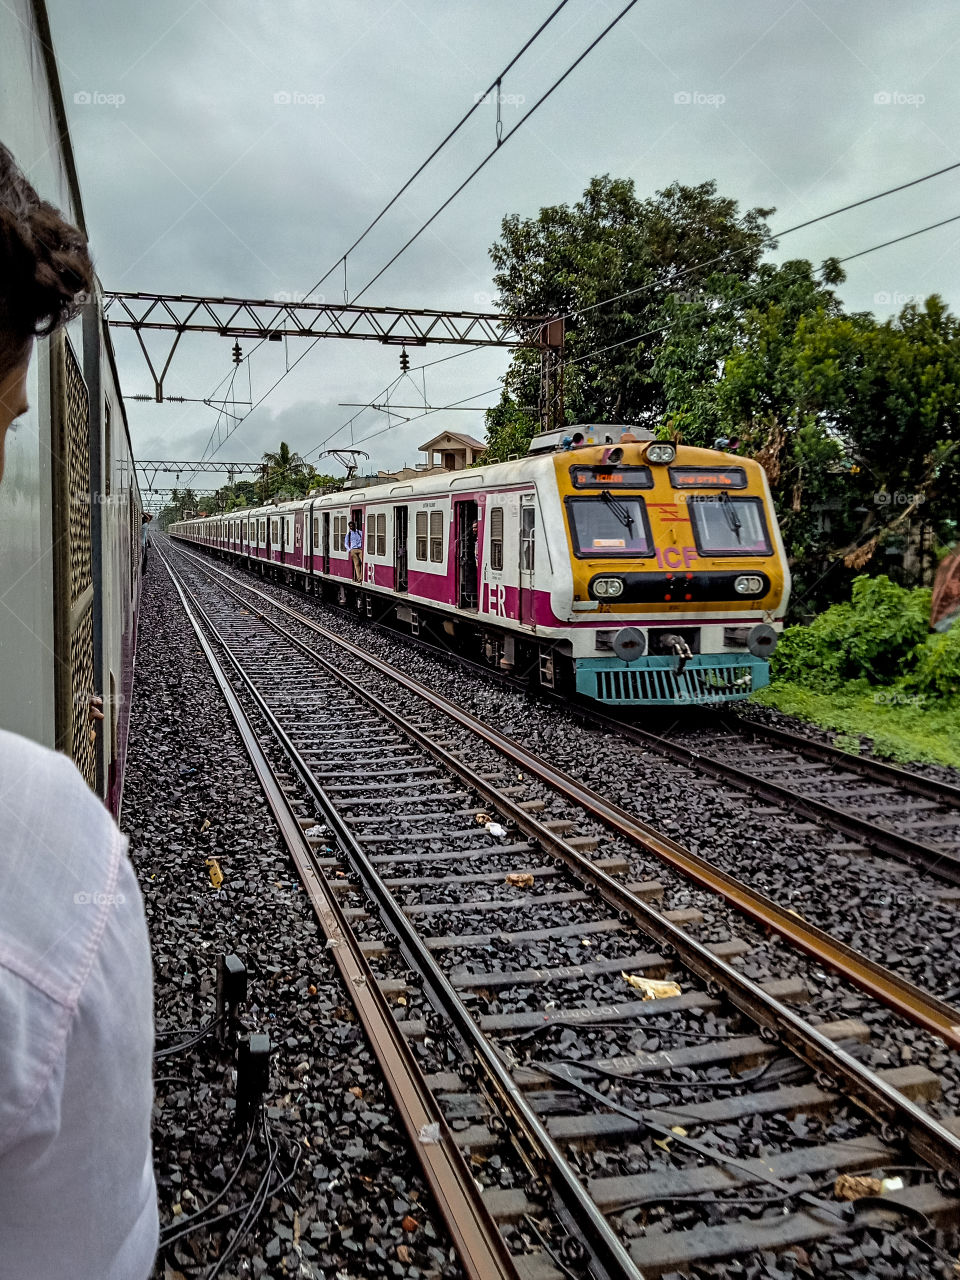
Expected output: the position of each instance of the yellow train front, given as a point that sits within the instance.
(679, 581)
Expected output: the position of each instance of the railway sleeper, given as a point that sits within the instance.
(739, 1053)
(660, 1251)
(650, 962)
(586, 1131)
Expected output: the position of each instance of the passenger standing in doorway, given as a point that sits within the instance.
(77, 1194)
(353, 543)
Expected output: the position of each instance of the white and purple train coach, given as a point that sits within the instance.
(636, 571)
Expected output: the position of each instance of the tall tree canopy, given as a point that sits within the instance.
(630, 255)
(676, 323)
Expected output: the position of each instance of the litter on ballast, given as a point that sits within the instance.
(854, 1186)
(520, 879)
(496, 829)
(652, 990)
(216, 875)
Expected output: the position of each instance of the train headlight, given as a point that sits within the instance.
(608, 586)
(660, 454)
(748, 584)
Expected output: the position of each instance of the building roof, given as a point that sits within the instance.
(469, 441)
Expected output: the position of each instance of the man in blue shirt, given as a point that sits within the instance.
(353, 543)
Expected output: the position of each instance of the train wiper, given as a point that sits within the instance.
(730, 515)
(620, 510)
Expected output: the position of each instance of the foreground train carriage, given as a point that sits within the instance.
(69, 504)
(634, 571)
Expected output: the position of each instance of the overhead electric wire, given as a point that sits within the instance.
(439, 147)
(423, 227)
(772, 238)
(479, 100)
(862, 253)
(501, 141)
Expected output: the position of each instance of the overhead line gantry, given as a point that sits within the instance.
(274, 320)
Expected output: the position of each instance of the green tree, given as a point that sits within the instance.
(509, 431)
(854, 421)
(283, 472)
(630, 255)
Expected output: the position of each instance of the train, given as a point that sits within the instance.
(631, 570)
(70, 506)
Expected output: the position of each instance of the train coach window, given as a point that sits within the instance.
(527, 537)
(421, 534)
(496, 537)
(316, 531)
(263, 532)
(436, 536)
(381, 535)
(371, 535)
(339, 531)
(728, 526)
(609, 526)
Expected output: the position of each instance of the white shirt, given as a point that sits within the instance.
(77, 1195)
(353, 541)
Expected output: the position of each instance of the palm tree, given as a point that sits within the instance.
(280, 468)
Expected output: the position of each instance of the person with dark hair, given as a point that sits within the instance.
(77, 1192)
(353, 544)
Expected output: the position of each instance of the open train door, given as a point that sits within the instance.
(466, 517)
(528, 517)
(400, 528)
(326, 542)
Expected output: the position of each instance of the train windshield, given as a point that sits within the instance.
(724, 525)
(609, 525)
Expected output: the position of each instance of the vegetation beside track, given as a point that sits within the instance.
(871, 668)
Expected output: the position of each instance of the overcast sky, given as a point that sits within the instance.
(196, 178)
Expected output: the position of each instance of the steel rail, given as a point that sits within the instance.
(581, 1217)
(930, 788)
(924, 1134)
(883, 984)
(936, 862)
(476, 1237)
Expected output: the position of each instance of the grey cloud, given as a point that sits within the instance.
(291, 184)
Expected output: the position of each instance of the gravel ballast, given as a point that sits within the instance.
(356, 1206)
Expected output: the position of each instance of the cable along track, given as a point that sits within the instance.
(403, 810)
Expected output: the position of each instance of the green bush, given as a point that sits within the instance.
(875, 637)
(936, 671)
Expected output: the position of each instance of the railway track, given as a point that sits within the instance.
(875, 805)
(391, 811)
